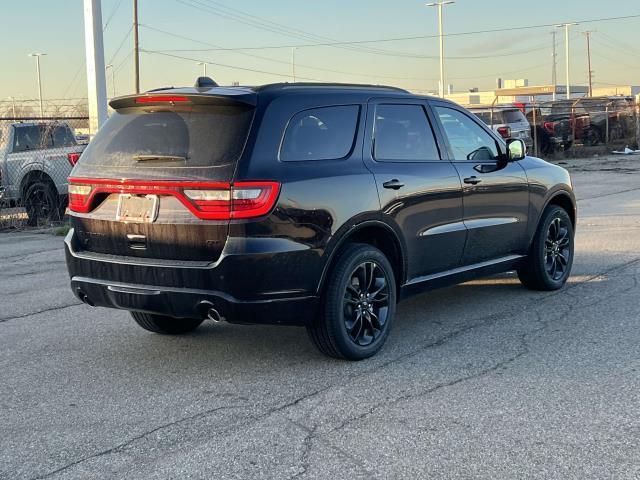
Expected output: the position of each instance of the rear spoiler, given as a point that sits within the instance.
(186, 97)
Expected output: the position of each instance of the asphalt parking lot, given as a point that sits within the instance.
(484, 380)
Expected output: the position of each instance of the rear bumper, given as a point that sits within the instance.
(182, 290)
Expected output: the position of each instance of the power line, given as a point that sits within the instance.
(110, 16)
(422, 37)
(122, 42)
(216, 48)
(277, 74)
(282, 61)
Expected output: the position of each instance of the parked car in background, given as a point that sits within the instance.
(506, 122)
(551, 134)
(611, 118)
(35, 162)
(319, 205)
(576, 115)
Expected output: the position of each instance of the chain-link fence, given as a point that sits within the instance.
(569, 127)
(36, 158)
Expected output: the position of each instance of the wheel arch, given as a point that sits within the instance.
(378, 234)
(565, 200)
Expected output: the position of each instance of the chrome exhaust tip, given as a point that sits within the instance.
(214, 315)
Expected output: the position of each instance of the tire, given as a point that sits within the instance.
(42, 203)
(349, 326)
(549, 262)
(592, 137)
(166, 325)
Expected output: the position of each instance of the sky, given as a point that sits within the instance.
(201, 30)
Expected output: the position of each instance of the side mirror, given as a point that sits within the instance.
(516, 149)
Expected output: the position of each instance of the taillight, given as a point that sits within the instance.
(549, 127)
(73, 158)
(162, 99)
(206, 200)
(505, 132)
(79, 197)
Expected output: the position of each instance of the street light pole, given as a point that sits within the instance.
(440, 4)
(37, 57)
(13, 105)
(293, 63)
(204, 67)
(566, 52)
(136, 47)
(554, 66)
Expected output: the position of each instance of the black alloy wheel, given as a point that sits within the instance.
(41, 204)
(556, 249)
(548, 265)
(366, 303)
(358, 304)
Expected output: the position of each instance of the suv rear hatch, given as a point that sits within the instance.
(156, 182)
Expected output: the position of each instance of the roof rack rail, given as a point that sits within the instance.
(328, 85)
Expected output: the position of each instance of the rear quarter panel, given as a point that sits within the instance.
(319, 199)
(545, 182)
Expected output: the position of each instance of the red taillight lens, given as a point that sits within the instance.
(73, 158)
(549, 127)
(253, 199)
(505, 132)
(79, 197)
(162, 99)
(206, 200)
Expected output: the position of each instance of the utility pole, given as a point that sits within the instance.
(566, 53)
(37, 57)
(204, 67)
(293, 63)
(440, 4)
(96, 72)
(113, 79)
(136, 47)
(587, 34)
(554, 65)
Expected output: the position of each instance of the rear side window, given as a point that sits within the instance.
(32, 137)
(402, 133)
(62, 137)
(325, 133)
(186, 142)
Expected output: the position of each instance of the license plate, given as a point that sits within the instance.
(137, 208)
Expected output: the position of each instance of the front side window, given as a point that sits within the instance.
(468, 140)
(402, 133)
(325, 133)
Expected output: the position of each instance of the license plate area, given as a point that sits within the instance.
(137, 208)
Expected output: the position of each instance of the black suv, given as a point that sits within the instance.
(305, 204)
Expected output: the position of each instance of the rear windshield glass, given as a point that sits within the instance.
(166, 143)
(501, 116)
(487, 118)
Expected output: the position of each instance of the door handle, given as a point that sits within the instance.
(394, 184)
(473, 180)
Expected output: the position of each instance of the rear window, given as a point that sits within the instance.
(325, 133)
(513, 116)
(501, 117)
(490, 119)
(189, 142)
